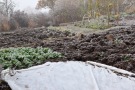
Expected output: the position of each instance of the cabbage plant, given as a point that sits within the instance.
(24, 57)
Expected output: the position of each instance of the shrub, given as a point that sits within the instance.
(13, 24)
(21, 18)
(131, 10)
(32, 24)
(5, 25)
(42, 19)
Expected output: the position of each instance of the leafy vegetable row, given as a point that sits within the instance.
(25, 57)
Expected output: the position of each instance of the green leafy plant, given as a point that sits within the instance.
(126, 57)
(97, 26)
(24, 57)
(94, 24)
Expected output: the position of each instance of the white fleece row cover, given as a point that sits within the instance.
(69, 76)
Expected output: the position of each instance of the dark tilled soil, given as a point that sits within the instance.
(114, 47)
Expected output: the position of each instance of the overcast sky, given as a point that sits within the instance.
(23, 4)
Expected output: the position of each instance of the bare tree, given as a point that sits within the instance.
(45, 3)
(6, 7)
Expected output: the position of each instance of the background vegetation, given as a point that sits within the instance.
(62, 11)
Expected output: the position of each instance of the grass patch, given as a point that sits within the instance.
(97, 26)
(25, 57)
(94, 24)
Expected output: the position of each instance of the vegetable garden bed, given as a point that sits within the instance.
(115, 47)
